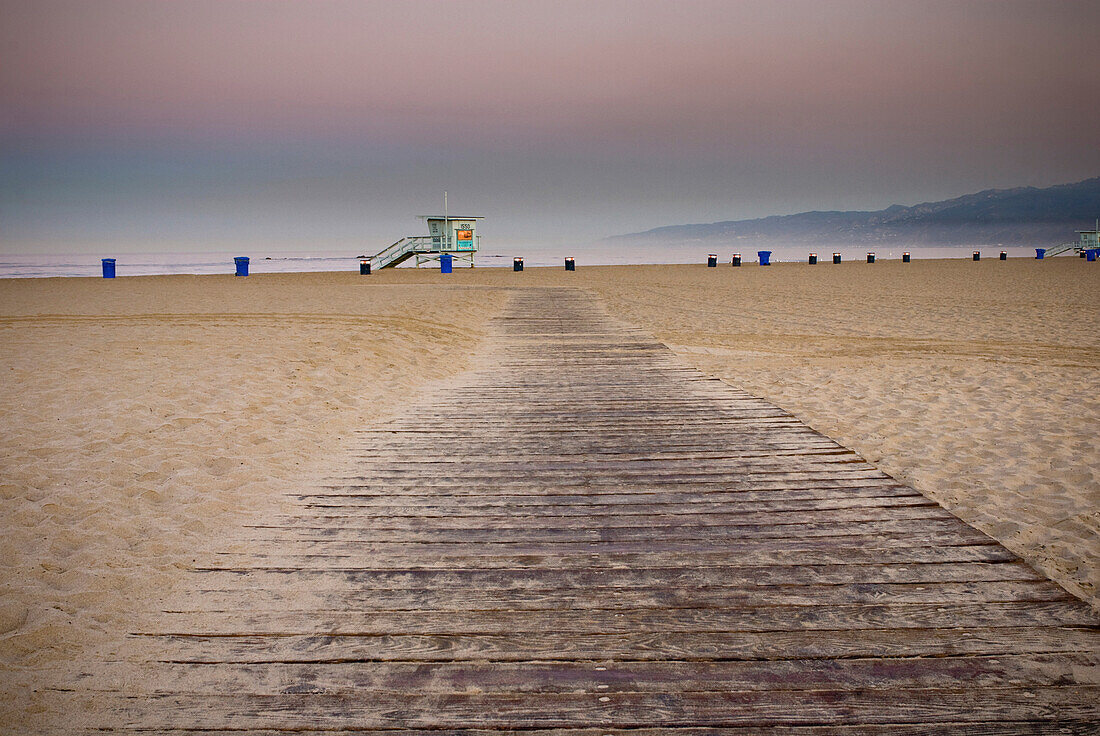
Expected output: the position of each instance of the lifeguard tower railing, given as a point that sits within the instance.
(401, 251)
(425, 248)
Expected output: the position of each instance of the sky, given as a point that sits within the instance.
(187, 125)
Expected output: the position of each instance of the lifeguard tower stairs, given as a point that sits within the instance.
(451, 235)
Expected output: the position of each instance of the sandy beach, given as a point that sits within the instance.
(977, 383)
(146, 418)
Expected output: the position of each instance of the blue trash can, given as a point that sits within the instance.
(764, 257)
(1039, 253)
(445, 265)
(108, 268)
(241, 262)
(1090, 254)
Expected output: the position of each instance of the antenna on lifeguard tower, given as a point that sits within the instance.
(446, 221)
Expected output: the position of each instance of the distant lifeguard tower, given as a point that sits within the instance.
(1088, 240)
(447, 234)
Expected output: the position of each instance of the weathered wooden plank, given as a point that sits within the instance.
(434, 477)
(1052, 727)
(353, 621)
(463, 559)
(621, 494)
(398, 444)
(370, 507)
(774, 707)
(305, 596)
(348, 519)
(1023, 670)
(667, 530)
(554, 646)
(870, 541)
(461, 470)
(339, 578)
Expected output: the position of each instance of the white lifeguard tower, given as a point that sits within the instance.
(453, 235)
(1087, 240)
(1090, 240)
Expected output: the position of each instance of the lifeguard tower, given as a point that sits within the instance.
(447, 234)
(1088, 240)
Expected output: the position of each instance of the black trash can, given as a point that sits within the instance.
(712, 260)
(1004, 255)
(836, 258)
(364, 267)
(517, 264)
(870, 257)
(570, 264)
(813, 259)
(977, 255)
(905, 257)
(736, 260)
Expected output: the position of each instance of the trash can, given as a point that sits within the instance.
(977, 255)
(870, 257)
(1039, 253)
(813, 259)
(445, 265)
(836, 258)
(1004, 255)
(764, 257)
(712, 260)
(364, 267)
(570, 264)
(517, 264)
(736, 260)
(905, 257)
(241, 262)
(1090, 254)
(108, 268)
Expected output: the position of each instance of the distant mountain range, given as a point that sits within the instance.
(1021, 216)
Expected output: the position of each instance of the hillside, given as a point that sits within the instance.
(1020, 216)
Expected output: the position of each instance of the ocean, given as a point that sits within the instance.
(147, 264)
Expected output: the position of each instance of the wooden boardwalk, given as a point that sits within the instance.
(587, 536)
